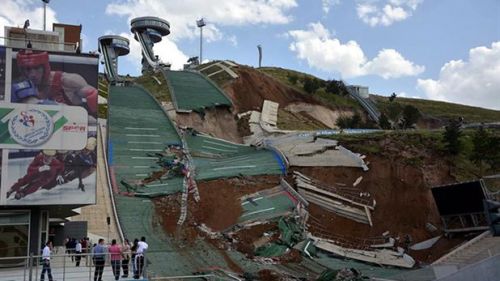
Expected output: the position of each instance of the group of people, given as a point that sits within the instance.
(77, 248)
(120, 256)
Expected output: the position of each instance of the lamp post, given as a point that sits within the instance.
(201, 23)
(259, 47)
(45, 2)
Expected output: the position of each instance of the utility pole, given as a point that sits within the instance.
(201, 23)
(45, 2)
(259, 47)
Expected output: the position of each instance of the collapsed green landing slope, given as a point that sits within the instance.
(138, 128)
(191, 91)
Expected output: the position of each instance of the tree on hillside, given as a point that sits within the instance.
(451, 136)
(411, 115)
(394, 110)
(493, 158)
(292, 78)
(336, 87)
(485, 149)
(311, 84)
(345, 122)
(383, 122)
(392, 97)
(480, 140)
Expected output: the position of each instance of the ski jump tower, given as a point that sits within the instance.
(111, 47)
(149, 30)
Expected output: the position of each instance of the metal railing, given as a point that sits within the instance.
(64, 267)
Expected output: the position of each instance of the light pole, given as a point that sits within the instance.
(201, 23)
(45, 2)
(259, 47)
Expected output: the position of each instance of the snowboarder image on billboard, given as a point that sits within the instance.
(40, 85)
(80, 164)
(45, 171)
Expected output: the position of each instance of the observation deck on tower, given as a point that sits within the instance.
(111, 47)
(148, 31)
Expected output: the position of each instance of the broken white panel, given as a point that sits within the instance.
(254, 117)
(336, 207)
(377, 256)
(358, 180)
(425, 244)
(389, 244)
(269, 113)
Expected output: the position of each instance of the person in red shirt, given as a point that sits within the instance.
(41, 85)
(115, 252)
(45, 171)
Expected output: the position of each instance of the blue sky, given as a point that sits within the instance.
(435, 49)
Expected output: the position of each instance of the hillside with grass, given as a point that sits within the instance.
(442, 110)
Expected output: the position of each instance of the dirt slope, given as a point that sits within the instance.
(249, 91)
(218, 122)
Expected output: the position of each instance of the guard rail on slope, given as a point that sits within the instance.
(367, 104)
(110, 187)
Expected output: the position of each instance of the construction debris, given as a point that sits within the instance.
(375, 256)
(344, 201)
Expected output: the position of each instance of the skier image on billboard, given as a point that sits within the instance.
(37, 83)
(64, 175)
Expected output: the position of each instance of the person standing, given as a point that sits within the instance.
(133, 251)
(46, 261)
(142, 246)
(78, 252)
(85, 246)
(126, 257)
(99, 256)
(116, 254)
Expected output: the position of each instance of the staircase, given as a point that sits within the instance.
(477, 249)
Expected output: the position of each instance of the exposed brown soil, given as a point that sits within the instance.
(404, 202)
(247, 237)
(249, 91)
(269, 275)
(218, 122)
(219, 207)
(321, 113)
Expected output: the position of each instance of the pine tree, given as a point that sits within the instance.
(451, 136)
(481, 141)
(384, 122)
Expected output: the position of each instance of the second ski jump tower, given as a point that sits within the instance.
(111, 47)
(149, 30)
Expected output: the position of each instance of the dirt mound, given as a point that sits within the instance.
(249, 91)
(321, 113)
(218, 122)
(220, 207)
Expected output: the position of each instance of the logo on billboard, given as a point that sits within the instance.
(31, 127)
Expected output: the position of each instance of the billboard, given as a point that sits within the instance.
(48, 133)
(460, 198)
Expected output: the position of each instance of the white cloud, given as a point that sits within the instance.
(317, 46)
(474, 82)
(15, 12)
(389, 12)
(327, 4)
(233, 40)
(183, 14)
(391, 64)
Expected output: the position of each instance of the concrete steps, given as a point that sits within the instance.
(477, 249)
